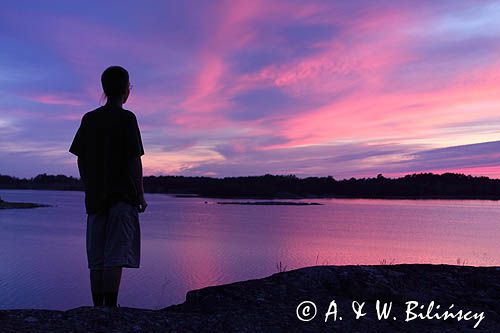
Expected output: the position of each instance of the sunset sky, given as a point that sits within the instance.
(229, 88)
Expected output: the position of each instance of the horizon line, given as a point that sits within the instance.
(277, 175)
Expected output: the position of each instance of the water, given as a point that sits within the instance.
(189, 244)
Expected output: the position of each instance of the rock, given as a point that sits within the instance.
(18, 205)
(269, 203)
(270, 304)
(30, 319)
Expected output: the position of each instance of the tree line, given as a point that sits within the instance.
(422, 185)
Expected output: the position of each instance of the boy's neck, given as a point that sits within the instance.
(115, 102)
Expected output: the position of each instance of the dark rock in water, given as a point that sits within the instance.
(181, 195)
(15, 205)
(269, 203)
(270, 304)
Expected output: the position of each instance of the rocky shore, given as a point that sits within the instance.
(270, 304)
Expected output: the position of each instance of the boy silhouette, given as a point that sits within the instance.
(109, 149)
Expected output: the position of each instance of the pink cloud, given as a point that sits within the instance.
(62, 99)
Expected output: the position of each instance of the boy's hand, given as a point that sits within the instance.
(142, 204)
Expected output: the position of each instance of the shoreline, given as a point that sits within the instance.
(270, 303)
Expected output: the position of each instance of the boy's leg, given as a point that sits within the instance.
(95, 238)
(122, 247)
(111, 285)
(96, 286)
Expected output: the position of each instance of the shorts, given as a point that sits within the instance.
(114, 237)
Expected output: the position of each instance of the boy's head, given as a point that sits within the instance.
(115, 82)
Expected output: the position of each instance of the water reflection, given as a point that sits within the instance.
(189, 244)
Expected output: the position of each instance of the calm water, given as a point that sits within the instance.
(188, 244)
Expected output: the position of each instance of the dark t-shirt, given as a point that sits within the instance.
(107, 139)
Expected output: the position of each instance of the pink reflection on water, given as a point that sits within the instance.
(188, 244)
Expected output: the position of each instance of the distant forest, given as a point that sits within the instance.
(423, 185)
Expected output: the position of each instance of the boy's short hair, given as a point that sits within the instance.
(115, 81)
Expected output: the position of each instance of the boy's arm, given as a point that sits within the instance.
(135, 167)
(135, 150)
(81, 168)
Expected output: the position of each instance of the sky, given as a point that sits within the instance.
(234, 88)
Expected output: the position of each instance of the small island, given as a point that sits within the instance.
(19, 205)
(269, 203)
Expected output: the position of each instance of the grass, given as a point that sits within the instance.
(280, 267)
(385, 262)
